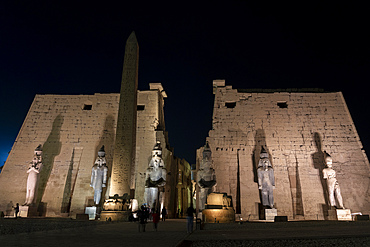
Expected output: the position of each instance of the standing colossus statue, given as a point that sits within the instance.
(34, 169)
(266, 179)
(329, 175)
(99, 175)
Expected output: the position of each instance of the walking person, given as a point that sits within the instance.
(190, 218)
(164, 213)
(142, 218)
(16, 210)
(155, 216)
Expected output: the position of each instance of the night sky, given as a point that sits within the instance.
(56, 47)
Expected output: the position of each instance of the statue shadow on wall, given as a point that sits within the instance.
(106, 139)
(9, 208)
(67, 193)
(50, 150)
(318, 159)
(259, 142)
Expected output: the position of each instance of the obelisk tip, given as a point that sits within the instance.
(132, 38)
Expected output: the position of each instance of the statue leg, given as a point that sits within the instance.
(271, 198)
(161, 199)
(339, 196)
(331, 197)
(30, 195)
(153, 196)
(31, 188)
(146, 195)
(27, 197)
(202, 199)
(265, 199)
(97, 196)
(149, 197)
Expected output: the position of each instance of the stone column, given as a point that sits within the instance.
(125, 143)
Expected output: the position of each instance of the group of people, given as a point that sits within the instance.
(144, 214)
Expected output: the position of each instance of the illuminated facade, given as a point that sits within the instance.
(295, 127)
(71, 129)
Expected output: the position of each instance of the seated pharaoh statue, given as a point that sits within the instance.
(206, 177)
(155, 176)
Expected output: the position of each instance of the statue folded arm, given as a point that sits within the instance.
(33, 169)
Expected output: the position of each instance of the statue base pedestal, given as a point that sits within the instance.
(114, 215)
(226, 215)
(269, 214)
(344, 214)
(340, 214)
(28, 211)
(92, 211)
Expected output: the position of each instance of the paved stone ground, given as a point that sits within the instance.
(307, 233)
(170, 233)
(173, 233)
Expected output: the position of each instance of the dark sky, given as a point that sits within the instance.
(56, 47)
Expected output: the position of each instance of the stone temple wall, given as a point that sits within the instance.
(296, 127)
(71, 129)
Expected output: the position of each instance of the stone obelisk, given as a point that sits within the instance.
(125, 143)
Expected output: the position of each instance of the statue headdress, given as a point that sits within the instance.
(263, 153)
(38, 150)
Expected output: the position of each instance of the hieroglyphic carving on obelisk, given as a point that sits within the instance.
(125, 143)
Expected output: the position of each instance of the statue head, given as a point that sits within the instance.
(157, 150)
(264, 159)
(328, 160)
(38, 150)
(264, 154)
(207, 152)
(156, 160)
(100, 160)
(101, 152)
